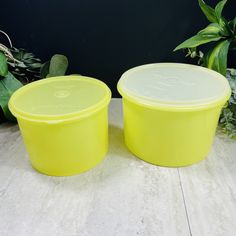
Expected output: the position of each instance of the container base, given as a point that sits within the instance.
(56, 174)
(163, 164)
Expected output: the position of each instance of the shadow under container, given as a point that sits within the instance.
(64, 123)
(171, 111)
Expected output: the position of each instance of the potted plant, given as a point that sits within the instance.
(221, 34)
(19, 67)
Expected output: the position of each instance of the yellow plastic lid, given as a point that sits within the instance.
(174, 85)
(59, 98)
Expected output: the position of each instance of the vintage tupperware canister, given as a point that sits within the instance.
(63, 122)
(171, 111)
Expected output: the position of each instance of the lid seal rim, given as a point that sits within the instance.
(69, 116)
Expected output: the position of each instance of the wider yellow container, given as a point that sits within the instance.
(64, 123)
(171, 111)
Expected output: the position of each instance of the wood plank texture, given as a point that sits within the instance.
(210, 191)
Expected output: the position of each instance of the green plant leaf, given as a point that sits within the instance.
(208, 11)
(216, 29)
(3, 65)
(231, 76)
(219, 8)
(6, 51)
(218, 58)
(232, 25)
(225, 28)
(44, 69)
(205, 58)
(58, 65)
(7, 86)
(197, 40)
(211, 29)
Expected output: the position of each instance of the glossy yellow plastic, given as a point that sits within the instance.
(170, 135)
(169, 138)
(64, 123)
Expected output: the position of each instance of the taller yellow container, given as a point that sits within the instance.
(171, 111)
(64, 123)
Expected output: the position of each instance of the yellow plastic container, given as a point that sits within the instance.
(64, 123)
(171, 111)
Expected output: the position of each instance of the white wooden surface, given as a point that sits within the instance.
(123, 196)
